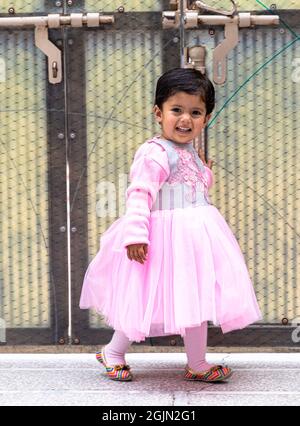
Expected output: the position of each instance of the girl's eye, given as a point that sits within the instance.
(197, 113)
(176, 109)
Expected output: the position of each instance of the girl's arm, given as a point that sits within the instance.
(147, 174)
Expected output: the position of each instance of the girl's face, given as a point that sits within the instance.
(182, 117)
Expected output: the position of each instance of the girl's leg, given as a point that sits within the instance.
(195, 342)
(115, 351)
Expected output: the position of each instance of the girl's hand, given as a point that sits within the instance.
(137, 252)
(202, 157)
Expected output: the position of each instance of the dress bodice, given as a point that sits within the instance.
(187, 184)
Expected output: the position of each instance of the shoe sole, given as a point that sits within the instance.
(221, 379)
(120, 380)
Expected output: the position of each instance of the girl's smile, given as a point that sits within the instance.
(182, 117)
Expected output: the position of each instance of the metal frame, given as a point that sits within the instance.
(57, 146)
(77, 154)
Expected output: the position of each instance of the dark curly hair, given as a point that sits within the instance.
(186, 80)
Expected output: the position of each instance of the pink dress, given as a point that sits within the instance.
(195, 270)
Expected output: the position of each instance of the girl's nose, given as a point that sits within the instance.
(185, 118)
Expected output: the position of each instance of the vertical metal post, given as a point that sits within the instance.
(181, 32)
(77, 169)
(58, 200)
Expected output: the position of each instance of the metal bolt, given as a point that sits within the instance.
(176, 39)
(61, 341)
(59, 42)
(60, 136)
(62, 229)
(70, 42)
(11, 11)
(54, 69)
(74, 229)
(285, 321)
(211, 31)
(173, 342)
(76, 341)
(273, 6)
(281, 30)
(72, 135)
(58, 3)
(121, 9)
(70, 2)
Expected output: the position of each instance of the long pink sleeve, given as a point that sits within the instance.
(148, 172)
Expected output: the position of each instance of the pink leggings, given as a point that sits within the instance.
(195, 342)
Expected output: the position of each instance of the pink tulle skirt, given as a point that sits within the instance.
(195, 272)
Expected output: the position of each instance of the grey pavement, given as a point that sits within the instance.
(78, 380)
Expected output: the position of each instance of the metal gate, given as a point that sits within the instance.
(66, 145)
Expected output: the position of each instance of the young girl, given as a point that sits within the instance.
(171, 263)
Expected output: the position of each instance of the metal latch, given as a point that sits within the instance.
(41, 25)
(232, 21)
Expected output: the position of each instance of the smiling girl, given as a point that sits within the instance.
(171, 263)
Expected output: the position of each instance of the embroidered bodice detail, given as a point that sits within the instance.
(186, 185)
(188, 172)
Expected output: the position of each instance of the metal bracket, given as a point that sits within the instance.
(51, 51)
(231, 39)
(232, 21)
(41, 25)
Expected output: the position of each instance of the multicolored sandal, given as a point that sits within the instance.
(217, 373)
(120, 372)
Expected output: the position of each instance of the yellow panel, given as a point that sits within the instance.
(24, 256)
